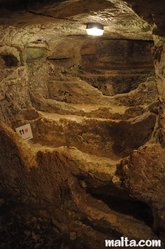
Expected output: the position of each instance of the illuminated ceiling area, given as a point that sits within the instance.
(82, 130)
(120, 18)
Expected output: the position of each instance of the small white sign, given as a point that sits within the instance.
(25, 132)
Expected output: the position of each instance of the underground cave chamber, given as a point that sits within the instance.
(93, 167)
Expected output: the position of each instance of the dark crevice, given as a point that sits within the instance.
(39, 14)
(59, 59)
(9, 60)
(132, 207)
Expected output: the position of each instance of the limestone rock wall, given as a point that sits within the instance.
(14, 92)
(160, 80)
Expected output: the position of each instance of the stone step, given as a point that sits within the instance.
(87, 163)
(101, 137)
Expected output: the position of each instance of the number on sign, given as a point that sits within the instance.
(21, 132)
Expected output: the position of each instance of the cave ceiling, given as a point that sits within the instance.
(50, 19)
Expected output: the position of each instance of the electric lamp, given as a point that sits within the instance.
(95, 29)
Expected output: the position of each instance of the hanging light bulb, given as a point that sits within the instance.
(95, 29)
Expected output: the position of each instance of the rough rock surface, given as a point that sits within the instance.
(94, 169)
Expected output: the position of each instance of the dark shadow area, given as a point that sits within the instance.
(134, 208)
(10, 60)
(22, 231)
(152, 14)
